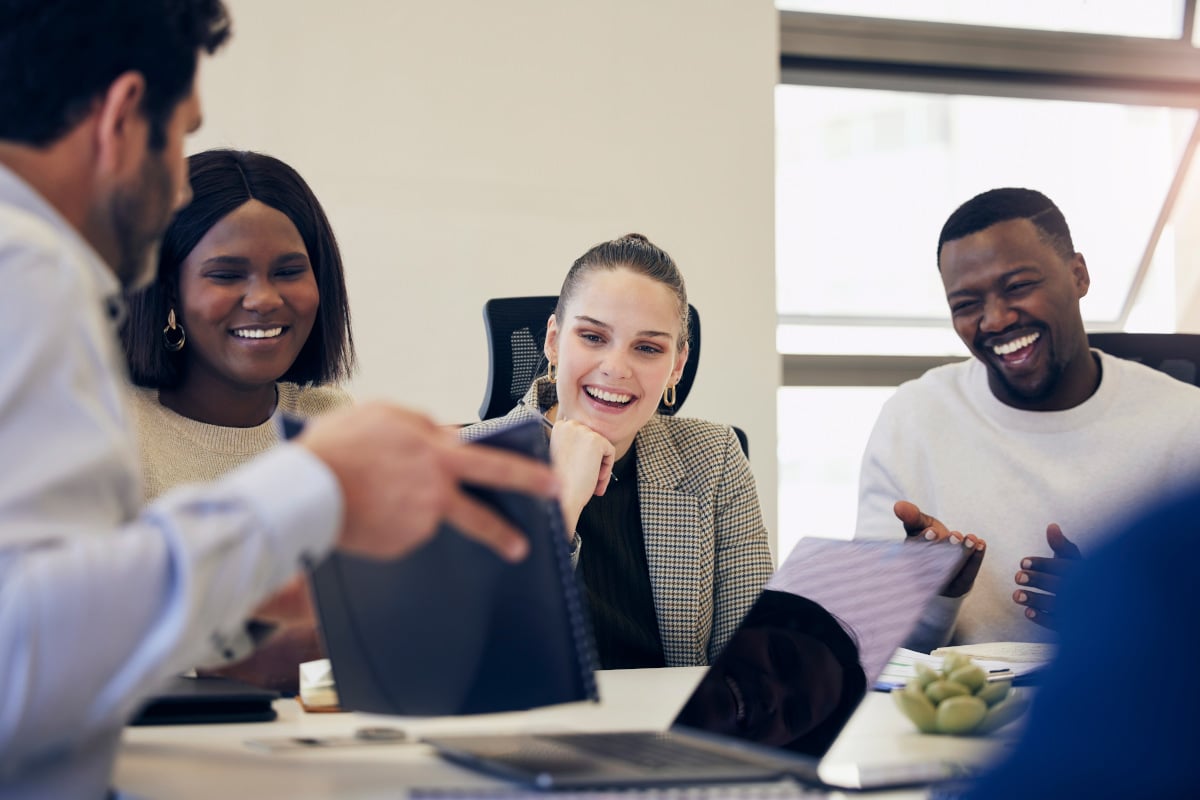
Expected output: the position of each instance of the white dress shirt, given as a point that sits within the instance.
(101, 599)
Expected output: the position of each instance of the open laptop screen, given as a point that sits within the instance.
(816, 638)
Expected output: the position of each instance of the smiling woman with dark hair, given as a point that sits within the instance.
(247, 319)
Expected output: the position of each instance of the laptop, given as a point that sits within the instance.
(773, 702)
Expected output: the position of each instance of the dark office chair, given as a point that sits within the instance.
(516, 331)
(1177, 354)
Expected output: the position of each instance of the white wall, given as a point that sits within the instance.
(472, 149)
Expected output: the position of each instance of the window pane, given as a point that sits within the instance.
(865, 179)
(822, 434)
(1153, 18)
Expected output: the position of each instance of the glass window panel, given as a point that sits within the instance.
(865, 179)
(1150, 18)
(822, 434)
(869, 340)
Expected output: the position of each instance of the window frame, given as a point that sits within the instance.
(945, 58)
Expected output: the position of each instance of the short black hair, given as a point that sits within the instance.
(1000, 205)
(57, 57)
(223, 181)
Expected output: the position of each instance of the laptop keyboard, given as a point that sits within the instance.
(651, 750)
(755, 791)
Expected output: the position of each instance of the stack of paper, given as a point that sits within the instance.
(1013, 652)
(1002, 661)
(317, 692)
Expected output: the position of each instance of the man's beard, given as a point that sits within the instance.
(1040, 391)
(140, 215)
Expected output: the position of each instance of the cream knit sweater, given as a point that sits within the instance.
(177, 450)
(947, 444)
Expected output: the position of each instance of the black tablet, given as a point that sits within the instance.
(453, 629)
(195, 701)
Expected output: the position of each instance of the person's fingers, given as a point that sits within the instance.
(1045, 581)
(962, 582)
(608, 460)
(476, 521)
(909, 515)
(1050, 566)
(1059, 544)
(488, 466)
(917, 523)
(603, 478)
(1039, 607)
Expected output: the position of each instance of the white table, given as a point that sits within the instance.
(205, 761)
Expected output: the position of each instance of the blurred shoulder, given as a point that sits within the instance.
(311, 401)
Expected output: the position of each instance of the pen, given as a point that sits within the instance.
(548, 425)
(1000, 675)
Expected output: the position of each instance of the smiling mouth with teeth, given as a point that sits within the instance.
(611, 398)
(1016, 344)
(257, 333)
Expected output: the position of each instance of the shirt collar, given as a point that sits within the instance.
(16, 192)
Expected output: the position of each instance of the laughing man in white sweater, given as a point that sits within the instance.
(1037, 446)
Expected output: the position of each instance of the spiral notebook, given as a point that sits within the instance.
(451, 628)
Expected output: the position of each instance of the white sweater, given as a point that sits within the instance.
(947, 444)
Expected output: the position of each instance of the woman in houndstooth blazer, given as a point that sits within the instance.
(669, 538)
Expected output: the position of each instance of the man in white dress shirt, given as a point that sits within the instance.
(101, 597)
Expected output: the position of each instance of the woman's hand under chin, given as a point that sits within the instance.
(583, 461)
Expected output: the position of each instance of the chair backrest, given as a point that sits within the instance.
(516, 332)
(1177, 354)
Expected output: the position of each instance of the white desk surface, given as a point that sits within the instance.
(205, 761)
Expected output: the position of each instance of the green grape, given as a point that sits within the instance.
(958, 699)
(953, 661)
(926, 674)
(971, 676)
(960, 714)
(1001, 714)
(993, 693)
(916, 706)
(939, 691)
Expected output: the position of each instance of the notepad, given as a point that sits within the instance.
(1015, 652)
(453, 629)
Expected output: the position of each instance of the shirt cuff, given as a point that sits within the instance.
(300, 501)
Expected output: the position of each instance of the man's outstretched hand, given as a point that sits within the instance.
(1045, 575)
(921, 526)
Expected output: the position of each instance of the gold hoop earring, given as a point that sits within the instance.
(552, 372)
(669, 396)
(173, 335)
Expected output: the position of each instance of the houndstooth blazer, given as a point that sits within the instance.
(706, 545)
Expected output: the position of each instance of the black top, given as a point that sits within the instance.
(615, 575)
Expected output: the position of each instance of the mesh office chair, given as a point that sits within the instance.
(1177, 354)
(516, 331)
